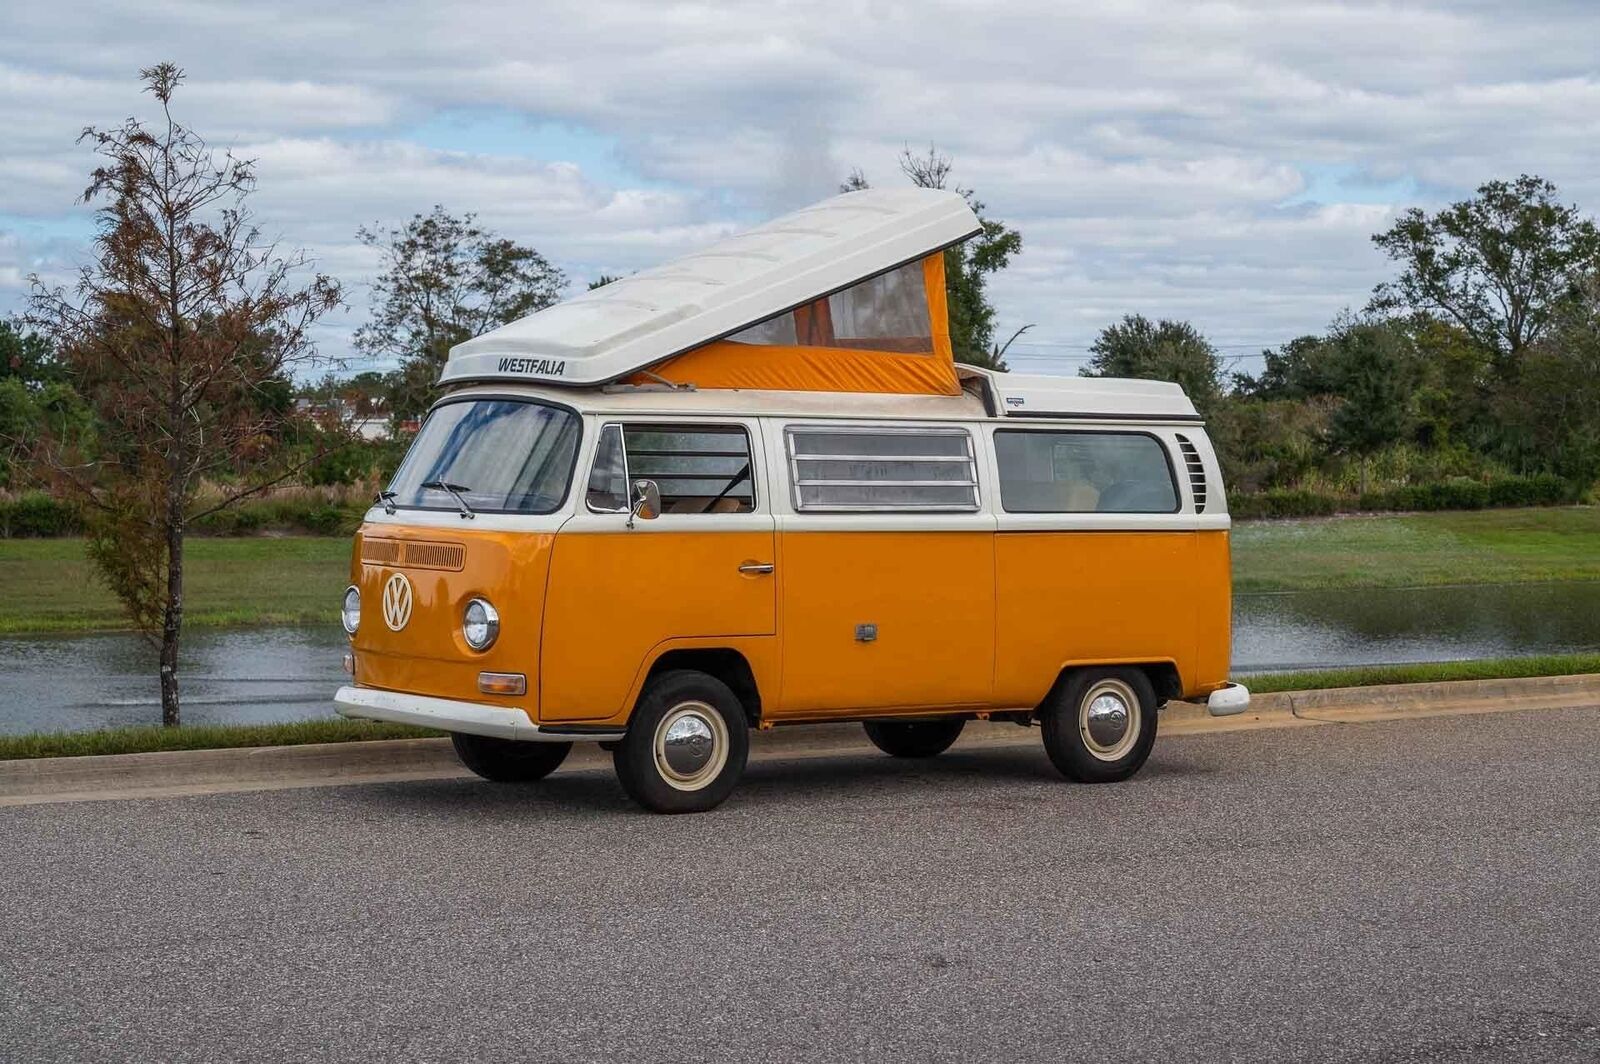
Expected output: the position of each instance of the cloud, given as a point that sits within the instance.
(1225, 162)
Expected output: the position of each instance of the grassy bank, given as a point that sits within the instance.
(1426, 672)
(218, 737)
(148, 739)
(49, 586)
(1415, 550)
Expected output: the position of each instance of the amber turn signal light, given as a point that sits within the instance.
(502, 683)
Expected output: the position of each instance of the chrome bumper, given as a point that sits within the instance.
(1228, 699)
(446, 714)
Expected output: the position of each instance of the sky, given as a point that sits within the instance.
(1225, 163)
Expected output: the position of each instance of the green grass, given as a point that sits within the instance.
(1415, 550)
(221, 736)
(1427, 672)
(146, 739)
(50, 587)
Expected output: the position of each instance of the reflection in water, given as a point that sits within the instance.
(254, 675)
(1321, 629)
(226, 675)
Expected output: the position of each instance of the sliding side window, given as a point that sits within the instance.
(845, 469)
(1084, 472)
(700, 469)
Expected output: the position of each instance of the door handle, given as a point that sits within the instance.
(757, 567)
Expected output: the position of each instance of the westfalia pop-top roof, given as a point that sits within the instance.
(641, 320)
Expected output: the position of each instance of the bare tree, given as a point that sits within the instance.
(180, 335)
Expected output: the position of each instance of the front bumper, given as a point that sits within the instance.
(447, 714)
(1228, 699)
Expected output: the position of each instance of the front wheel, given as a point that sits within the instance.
(914, 738)
(686, 745)
(508, 760)
(1101, 725)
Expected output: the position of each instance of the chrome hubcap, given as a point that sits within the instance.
(691, 746)
(1109, 719)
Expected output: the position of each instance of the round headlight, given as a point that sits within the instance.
(480, 624)
(350, 612)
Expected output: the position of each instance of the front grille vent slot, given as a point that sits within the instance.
(1197, 473)
(414, 554)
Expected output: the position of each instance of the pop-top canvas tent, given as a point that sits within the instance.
(846, 295)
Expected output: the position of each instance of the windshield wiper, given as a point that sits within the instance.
(386, 500)
(455, 491)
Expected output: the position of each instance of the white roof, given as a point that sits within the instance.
(640, 320)
(1037, 395)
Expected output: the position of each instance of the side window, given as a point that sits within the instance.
(700, 469)
(882, 469)
(1084, 472)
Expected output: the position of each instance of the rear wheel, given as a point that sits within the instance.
(507, 760)
(686, 745)
(1102, 724)
(914, 738)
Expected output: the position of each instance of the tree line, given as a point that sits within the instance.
(176, 378)
(1477, 361)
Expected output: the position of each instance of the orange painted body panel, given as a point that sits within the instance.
(965, 620)
(429, 656)
(616, 597)
(1212, 583)
(1079, 597)
(931, 595)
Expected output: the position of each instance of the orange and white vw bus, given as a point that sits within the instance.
(750, 488)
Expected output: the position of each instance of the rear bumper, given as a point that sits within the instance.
(447, 714)
(1228, 699)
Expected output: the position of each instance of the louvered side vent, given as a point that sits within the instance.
(1197, 473)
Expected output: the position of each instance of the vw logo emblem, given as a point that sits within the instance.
(397, 602)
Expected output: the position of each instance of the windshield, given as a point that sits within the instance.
(499, 455)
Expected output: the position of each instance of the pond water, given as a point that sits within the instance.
(255, 675)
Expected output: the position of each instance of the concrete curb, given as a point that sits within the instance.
(191, 772)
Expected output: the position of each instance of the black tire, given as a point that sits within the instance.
(914, 738)
(1070, 740)
(508, 760)
(714, 745)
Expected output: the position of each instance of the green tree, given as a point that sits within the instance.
(444, 280)
(1299, 369)
(967, 266)
(1550, 416)
(180, 335)
(1164, 351)
(1373, 387)
(26, 356)
(1502, 266)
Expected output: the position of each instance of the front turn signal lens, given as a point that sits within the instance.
(502, 683)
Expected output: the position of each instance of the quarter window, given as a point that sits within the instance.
(849, 469)
(1084, 472)
(700, 469)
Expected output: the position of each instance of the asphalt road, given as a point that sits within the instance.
(1412, 890)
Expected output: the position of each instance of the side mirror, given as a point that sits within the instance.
(646, 501)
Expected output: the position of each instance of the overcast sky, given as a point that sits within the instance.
(1225, 163)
